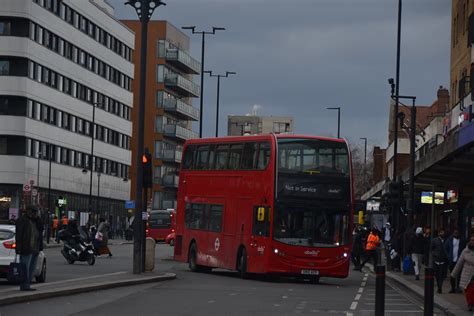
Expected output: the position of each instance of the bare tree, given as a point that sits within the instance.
(363, 173)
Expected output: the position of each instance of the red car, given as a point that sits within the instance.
(170, 239)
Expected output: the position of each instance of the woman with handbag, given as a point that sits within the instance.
(465, 267)
(103, 236)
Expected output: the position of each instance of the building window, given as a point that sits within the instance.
(157, 175)
(4, 67)
(159, 124)
(160, 73)
(158, 149)
(157, 199)
(5, 28)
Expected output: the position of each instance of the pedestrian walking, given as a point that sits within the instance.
(103, 235)
(426, 253)
(373, 241)
(29, 242)
(465, 268)
(440, 259)
(454, 245)
(417, 248)
(55, 226)
(396, 250)
(357, 247)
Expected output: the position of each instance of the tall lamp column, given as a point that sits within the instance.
(338, 120)
(144, 10)
(227, 73)
(201, 98)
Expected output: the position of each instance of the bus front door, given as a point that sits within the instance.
(259, 245)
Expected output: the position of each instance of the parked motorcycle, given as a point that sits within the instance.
(76, 248)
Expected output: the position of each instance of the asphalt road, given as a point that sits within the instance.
(216, 293)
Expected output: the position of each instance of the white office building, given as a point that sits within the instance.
(60, 59)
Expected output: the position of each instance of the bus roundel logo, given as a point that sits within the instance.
(217, 244)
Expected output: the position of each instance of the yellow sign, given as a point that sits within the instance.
(261, 214)
(361, 217)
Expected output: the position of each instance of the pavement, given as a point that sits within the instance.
(81, 285)
(108, 272)
(450, 303)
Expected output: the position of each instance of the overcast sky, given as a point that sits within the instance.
(297, 57)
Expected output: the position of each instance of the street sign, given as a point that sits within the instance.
(130, 204)
(34, 192)
(144, 216)
(26, 188)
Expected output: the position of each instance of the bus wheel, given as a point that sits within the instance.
(193, 258)
(243, 264)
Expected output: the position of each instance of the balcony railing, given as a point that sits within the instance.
(170, 204)
(176, 131)
(172, 155)
(179, 107)
(170, 181)
(182, 85)
(183, 60)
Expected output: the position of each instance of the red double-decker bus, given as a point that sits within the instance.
(160, 224)
(277, 204)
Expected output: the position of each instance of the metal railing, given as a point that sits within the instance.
(173, 130)
(173, 155)
(175, 54)
(174, 104)
(170, 180)
(173, 79)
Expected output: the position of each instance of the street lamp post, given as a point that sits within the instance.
(227, 73)
(144, 10)
(397, 86)
(49, 151)
(98, 193)
(364, 177)
(338, 120)
(91, 159)
(37, 178)
(201, 98)
(412, 133)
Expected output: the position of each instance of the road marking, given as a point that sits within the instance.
(353, 305)
(363, 283)
(393, 311)
(349, 314)
(284, 296)
(357, 297)
(276, 305)
(232, 294)
(361, 289)
(211, 301)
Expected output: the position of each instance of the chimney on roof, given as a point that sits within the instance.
(443, 100)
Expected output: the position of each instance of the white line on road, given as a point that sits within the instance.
(284, 296)
(349, 314)
(353, 305)
(361, 289)
(363, 283)
(357, 297)
(211, 301)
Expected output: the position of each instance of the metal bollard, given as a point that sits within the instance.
(429, 292)
(379, 290)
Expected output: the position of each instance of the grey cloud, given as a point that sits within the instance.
(297, 57)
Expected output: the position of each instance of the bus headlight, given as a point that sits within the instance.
(344, 255)
(278, 252)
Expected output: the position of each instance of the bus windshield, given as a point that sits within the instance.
(305, 226)
(312, 157)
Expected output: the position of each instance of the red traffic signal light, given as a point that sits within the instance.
(147, 170)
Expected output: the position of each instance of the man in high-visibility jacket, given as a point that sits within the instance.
(373, 241)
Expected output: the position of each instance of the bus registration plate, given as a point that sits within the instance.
(309, 272)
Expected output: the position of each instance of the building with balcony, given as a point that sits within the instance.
(169, 111)
(60, 60)
(252, 125)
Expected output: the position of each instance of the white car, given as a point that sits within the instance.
(7, 254)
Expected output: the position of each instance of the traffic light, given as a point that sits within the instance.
(147, 170)
(395, 194)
